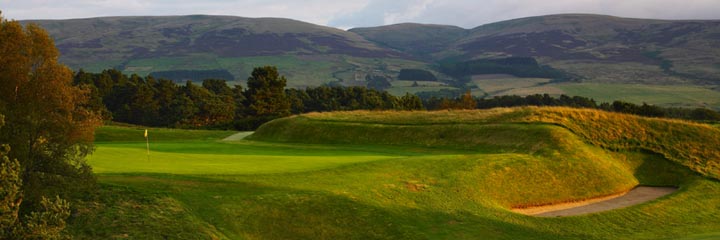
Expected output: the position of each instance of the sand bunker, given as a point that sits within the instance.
(636, 196)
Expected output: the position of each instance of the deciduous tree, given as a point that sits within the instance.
(48, 126)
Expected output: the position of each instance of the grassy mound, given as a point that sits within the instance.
(516, 157)
(690, 144)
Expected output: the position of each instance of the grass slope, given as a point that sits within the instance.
(605, 48)
(689, 144)
(418, 39)
(413, 187)
(667, 95)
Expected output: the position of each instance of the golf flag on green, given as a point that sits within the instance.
(147, 141)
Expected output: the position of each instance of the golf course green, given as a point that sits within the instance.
(405, 175)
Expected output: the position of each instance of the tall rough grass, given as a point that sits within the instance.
(696, 146)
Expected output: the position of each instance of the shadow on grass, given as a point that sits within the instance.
(214, 208)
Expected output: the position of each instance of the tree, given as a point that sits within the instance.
(165, 95)
(416, 74)
(48, 127)
(183, 110)
(297, 99)
(10, 192)
(410, 102)
(144, 105)
(212, 110)
(217, 86)
(238, 95)
(376, 82)
(704, 114)
(266, 93)
(467, 101)
(48, 223)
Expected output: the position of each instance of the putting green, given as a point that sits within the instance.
(223, 158)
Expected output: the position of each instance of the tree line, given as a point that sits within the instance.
(213, 104)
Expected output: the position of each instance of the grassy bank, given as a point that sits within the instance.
(368, 175)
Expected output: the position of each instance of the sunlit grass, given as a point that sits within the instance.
(400, 175)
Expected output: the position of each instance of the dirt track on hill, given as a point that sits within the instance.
(238, 136)
(633, 197)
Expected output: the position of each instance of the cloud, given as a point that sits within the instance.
(358, 13)
(411, 12)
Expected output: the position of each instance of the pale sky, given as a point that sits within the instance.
(362, 13)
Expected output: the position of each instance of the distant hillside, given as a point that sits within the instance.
(413, 38)
(142, 37)
(199, 42)
(596, 48)
(600, 48)
(593, 45)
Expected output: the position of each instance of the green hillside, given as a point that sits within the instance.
(405, 175)
(596, 47)
(663, 62)
(592, 55)
(417, 39)
(632, 50)
(311, 54)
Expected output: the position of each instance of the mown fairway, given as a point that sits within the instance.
(414, 175)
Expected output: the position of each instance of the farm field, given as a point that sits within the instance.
(301, 71)
(662, 95)
(501, 84)
(404, 175)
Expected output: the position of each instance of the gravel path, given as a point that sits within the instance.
(636, 196)
(237, 136)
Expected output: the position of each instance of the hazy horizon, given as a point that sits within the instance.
(365, 13)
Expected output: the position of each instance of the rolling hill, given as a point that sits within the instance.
(599, 48)
(417, 39)
(224, 36)
(199, 42)
(601, 52)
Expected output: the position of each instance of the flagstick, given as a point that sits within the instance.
(148, 147)
(147, 141)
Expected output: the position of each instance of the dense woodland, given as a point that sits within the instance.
(213, 104)
(416, 75)
(516, 66)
